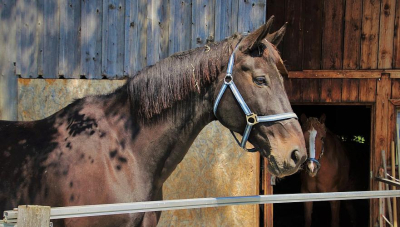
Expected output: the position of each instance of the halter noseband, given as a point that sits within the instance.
(251, 118)
(316, 161)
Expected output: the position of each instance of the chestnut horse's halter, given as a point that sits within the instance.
(251, 118)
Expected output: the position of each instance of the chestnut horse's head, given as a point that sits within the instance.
(314, 131)
(252, 101)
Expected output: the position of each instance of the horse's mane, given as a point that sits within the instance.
(173, 79)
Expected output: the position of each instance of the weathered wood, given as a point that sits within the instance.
(157, 31)
(332, 41)
(395, 89)
(51, 35)
(8, 45)
(39, 38)
(380, 133)
(386, 33)
(29, 215)
(294, 89)
(350, 90)
(294, 33)
(255, 15)
(367, 90)
(136, 23)
(331, 90)
(70, 38)
(268, 190)
(325, 74)
(312, 90)
(91, 32)
(312, 34)
(369, 35)
(225, 24)
(113, 38)
(277, 9)
(27, 40)
(352, 34)
(396, 50)
(180, 12)
(203, 22)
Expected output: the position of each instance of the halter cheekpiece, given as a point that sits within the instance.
(251, 118)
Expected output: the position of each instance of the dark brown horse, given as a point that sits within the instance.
(121, 147)
(327, 166)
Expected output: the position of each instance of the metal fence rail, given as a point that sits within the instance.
(125, 208)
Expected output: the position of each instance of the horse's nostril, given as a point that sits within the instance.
(295, 156)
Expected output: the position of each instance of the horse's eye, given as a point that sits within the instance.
(260, 80)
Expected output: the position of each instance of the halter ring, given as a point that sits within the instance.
(251, 119)
(228, 79)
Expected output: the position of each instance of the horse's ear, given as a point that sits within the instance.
(303, 118)
(276, 37)
(322, 119)
(282, 68)
(254, 39)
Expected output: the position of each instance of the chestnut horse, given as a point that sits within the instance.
(121, 147)
(327, 167)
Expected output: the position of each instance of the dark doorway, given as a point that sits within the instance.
(353, 125)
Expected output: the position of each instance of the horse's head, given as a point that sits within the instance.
(314, 131)
(248, 101)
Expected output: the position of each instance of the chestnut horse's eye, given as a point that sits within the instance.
(260, 80)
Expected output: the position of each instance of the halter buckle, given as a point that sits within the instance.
(251, 119)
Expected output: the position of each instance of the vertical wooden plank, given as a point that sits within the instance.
(294, 33)
(331, 90)
(91, 40)
(352, 34)
(135, 36)
(27, 39)
(203, 22)
(386, 33)
(396, 50)
(367, 90)
(225, 24)
(293, 89)
(70, 38)
(381, 116)
(395, 89)
(369, 35)
(350, 90)
(164, 28)
(40, 37)
(312, 35)
(8, 46)
(332, 37)
(180, 12)
(255, 11)
(113, 38)
(312, 89)
(268, 190)
(157, 31)
(51, 35)
(277, 9)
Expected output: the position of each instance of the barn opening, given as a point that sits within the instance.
(353, 125)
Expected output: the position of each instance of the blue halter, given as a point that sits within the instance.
(251, 118)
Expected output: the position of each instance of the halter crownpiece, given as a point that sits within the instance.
(251, 118)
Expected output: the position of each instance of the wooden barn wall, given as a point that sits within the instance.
(213, 167)
(339, 34)
(345, 52)
(116, 38)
